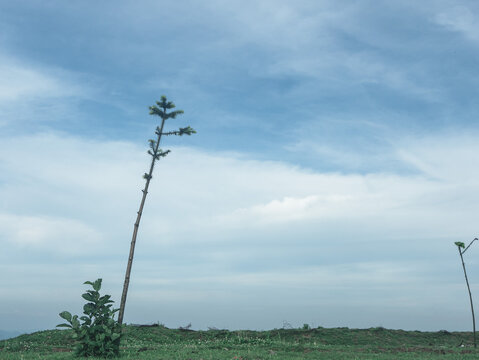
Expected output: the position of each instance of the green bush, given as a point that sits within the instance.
(98, 334)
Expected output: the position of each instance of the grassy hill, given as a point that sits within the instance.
(158, 342)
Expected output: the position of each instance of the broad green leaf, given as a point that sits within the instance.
(88, 308)
(75, 322)
(66, 315)
(97, 285)
(88, 297)
(64, 325)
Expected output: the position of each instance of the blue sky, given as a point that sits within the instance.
(334, 167)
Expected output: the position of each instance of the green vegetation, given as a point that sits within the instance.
(98, 334)
(158, 342)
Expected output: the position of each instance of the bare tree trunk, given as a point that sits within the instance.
(470, 296)
(135, 228)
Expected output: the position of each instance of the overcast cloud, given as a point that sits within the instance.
(334, 167)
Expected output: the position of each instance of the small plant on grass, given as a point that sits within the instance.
(98, 334)
(460, 245)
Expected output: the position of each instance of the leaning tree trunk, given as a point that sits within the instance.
(470, 296)
(136, 226)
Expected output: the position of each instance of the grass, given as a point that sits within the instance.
(158, 342)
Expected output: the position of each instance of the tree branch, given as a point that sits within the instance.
(468, 245)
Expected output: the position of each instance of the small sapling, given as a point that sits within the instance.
(98, 334)
(460, 246)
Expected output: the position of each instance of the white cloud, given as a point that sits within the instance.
(219, 227)
(98, 183)
(22, 82)
(460, 19)
(451, 158)
(219, 224)
(52, 234)
(336, 44)
(34, 95)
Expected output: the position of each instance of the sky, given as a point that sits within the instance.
(334, 166)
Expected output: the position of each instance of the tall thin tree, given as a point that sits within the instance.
(160, 109)
(460, 245)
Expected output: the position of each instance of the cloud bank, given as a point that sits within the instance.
(221, 231)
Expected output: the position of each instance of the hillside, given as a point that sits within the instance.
(158, 342)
